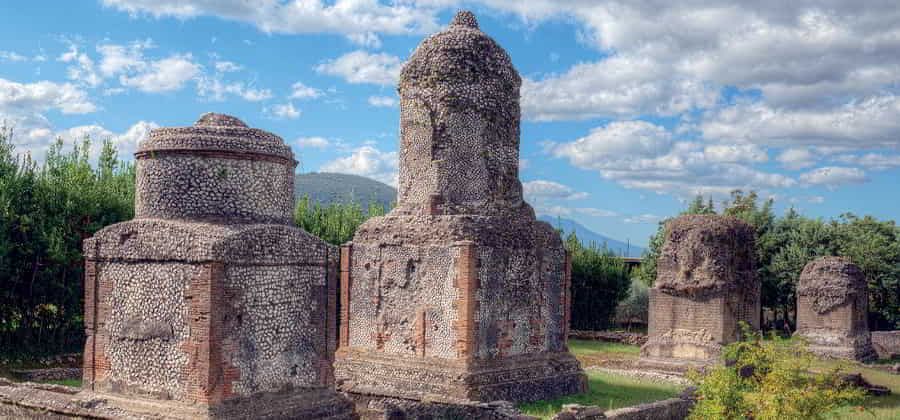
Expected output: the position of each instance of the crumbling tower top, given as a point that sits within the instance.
(459, 125)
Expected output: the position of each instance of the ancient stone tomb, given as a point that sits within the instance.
(210, 299)
(459, 293)
(706, 283)
(832, 306)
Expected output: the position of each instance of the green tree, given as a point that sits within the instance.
(600, 280)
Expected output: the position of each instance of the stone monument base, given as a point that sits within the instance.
(858, 347)
(31, 400)
(519, 378)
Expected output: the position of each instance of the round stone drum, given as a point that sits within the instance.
(217, 170)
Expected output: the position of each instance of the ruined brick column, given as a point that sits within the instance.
(210, 300)
(705, 284)
(459, 293)
(832, 309)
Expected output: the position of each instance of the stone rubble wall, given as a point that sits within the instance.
(887, 344)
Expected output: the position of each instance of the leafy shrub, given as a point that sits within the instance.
(636, 306)
(335, 223)
(769, 380)
(600, 280)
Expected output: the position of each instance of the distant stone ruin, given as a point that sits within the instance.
(706, 283)
(832, 306)
(210, 299)
(459, 293)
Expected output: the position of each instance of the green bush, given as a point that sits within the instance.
(335, 223)
(769, 380)
(600, 280)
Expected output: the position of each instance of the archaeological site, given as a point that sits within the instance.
(211, 302)
(832, 306)
(706, 284)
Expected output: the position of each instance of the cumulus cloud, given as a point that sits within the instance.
(539, 190)
(301, 91)
(285, 111)
(832, 177)
(383, 101)
(165, 75)
(873, 161)
(639, 154)
(797, 158)
(359, 20)
(312, 142)
(23, 98)
(367, 161)
(363, 67)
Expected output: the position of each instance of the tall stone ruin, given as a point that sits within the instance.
(705, 284)
(459, 293)
(210, 304)
(832, 309)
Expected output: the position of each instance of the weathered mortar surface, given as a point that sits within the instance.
(832, 309)
(459, 293)
(706, 283)
(217, 169)
(210, 299)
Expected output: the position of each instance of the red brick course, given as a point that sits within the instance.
(467, 305)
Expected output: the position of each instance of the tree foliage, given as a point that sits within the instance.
(336, 222)
(785, 244)
(769, 380)
(46, 211)
(600, 280)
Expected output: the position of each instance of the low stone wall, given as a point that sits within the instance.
(670, 409)
(886, 343)
(635, 339)
(380, 408)
(44, 375)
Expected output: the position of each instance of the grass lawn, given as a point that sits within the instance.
(67, 382)
(607, 391)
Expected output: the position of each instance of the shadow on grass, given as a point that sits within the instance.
(608, 392)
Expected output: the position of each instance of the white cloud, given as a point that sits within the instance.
(215, 89)
(383, 101)
(12, 56)
(227, 66)
(118, 59)
(735, 153)
(363, 67)
(82, 69)
(874, 161)
(23, 98)
(595, 212)
(367, 161)
(359, 20)
(286, 111)
(540, 190)
(165, 75)
(642, 219)
(312, 142)
(869, 123)
(834, 176)
(620, 86)
(797, 158)
(638, 154)
(126, 143)
(301, 91)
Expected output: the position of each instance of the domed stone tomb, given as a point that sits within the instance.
(458, 293)
(705, 286)
(209, 299)
(832, 309)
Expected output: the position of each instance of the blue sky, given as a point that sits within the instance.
(630, 108)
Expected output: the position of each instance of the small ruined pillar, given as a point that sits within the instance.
(832, 309)
(705, 284)
(210, 303)
(458, 293)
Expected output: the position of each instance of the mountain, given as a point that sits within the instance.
(587, 236)
(328, 188)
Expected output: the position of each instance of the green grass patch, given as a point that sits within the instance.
(67, 382)
(598, 348)
(607, 391)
